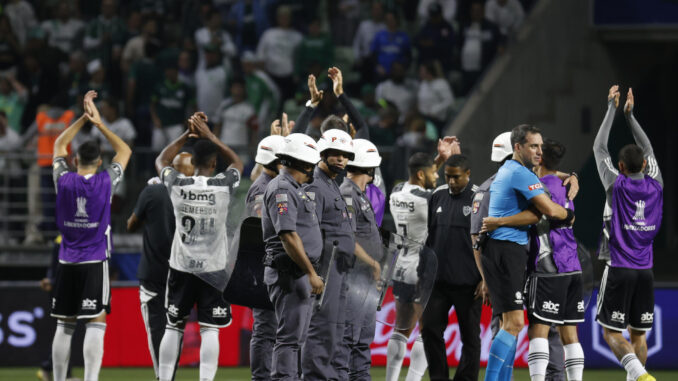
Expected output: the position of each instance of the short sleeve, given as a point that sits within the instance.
(316, 195)
(168, 176)
(526, 183)
(282, 209)
(142, 203)
(115, 172)
(228, 178)
(59, 168)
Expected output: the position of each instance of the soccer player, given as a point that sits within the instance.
(199, 246)
(631, 220)
(82, 287)
(154, 210)
(504, 256)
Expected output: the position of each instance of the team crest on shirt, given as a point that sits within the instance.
(476, 207)
(535, 186)
(282, 208)
(82, 207)
(466, 210)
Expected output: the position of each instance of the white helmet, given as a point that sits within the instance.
(267, 149)
(501, 147)
(336, 140)
(301, 147)
(366, 154)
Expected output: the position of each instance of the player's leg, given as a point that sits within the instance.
(641, 314)
(152, 304)
(213, 313)
(65, 306)
(468, 309)
(93, 346)
(261, 344)
(555, 371)
(433, 325)
(418, 361)
(61, 348)
(574, 353)
(95, 306)
(406, 317)
(179, 300)
(538, 357)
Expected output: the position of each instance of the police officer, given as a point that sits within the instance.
(293, 244)
(457, 280)
(319, 355)
(360, 323)
(265, 323)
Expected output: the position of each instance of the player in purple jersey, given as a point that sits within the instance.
(631, 220)
(83, 212)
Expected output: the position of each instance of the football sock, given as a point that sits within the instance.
(395, 353)
(61, 349)
(170, 347)
(93, 349)
(506, 372)
(418, 363)
(499, 352)
(633, 366)
(574, 361)
(209, 353)
(538, 358)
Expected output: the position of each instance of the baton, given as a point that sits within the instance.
(383, 283)
(319, 302)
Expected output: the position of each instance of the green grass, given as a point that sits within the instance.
(238, 374)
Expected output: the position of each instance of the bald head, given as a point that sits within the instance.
(184, 164)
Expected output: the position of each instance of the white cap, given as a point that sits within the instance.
(301, 147)
(501, 147)
(337, 140)
(366, 154)
(267, 149)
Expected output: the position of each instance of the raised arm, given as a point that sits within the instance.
(199, 123)
(606, 170)
(316, 96)
(64, 139)
(447, 146)
(165, 157)
(122, 150)
(362, 131)
(651, 169)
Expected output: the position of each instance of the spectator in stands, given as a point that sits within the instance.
(262, 92)
(435, 40)
(10, 49)
(134, 27)
(134, 48)
(448, 9)
(210, 81)
(412, 141)
(186, 68)
(212, 34)
(41, 81)
(507, 14)
(64, 32)
(362, 42)
(22, 17)
(105, 34)
(480, 42)
(434, 97)
(276, 49)
(390, 45)
(9, 139)
(384, 134)
(344, 19)
(367, 105)
(249, 20)
(171, 103)
(398, 89)
(97, 79)
(236, 120)
(142, 79)
(315, 49)
(119, 125)
(75, 79)
(13, 97)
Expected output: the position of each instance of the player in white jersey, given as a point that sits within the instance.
(409, 208)
(199, 256)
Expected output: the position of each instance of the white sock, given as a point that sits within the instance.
(209, 353)
(574, 361)
(170, 347)
(61, 349)
(418, 363)
(629, 378)
(538, 358)
(93, 350)
(633, 366)
(395, 353)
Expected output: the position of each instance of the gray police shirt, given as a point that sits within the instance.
(481, 205)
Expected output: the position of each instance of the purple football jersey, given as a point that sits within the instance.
(636, 218)
(83, 215)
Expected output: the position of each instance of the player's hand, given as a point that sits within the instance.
(573, 182)
(287, 125)
(275, 128)
(337, 80)
(628, 107)
(316, 96)
(482, 293)
(448, 146)
(200, 126)
(90, 109)
(490, 224)
(46, 284)
(317, 284)
(614, 94)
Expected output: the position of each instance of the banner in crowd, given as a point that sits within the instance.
(26, 333)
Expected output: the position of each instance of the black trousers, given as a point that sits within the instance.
(152, 298)
(434, 323)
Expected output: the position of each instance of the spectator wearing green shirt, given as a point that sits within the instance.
(104, 36)
(142, 79)
(262, 92)
(171, 103)
(315, 49)
(13, 97)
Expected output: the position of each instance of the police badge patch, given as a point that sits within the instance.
(467, 210)
(282, 208)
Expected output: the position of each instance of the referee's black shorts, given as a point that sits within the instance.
(504, 270)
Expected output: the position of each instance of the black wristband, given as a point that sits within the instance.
(570, 216)
(574, 174)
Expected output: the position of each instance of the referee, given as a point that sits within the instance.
(458, 280)
(514, 189)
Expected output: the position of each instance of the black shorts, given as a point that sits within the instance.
(626, 298)
(405, 292)
(504, 270)
(555, 299)
(184, 290)
(81, 291)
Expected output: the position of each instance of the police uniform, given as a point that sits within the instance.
(326, 331)
(265, 323)
(360, 324)
(287, 208)
(449, 218)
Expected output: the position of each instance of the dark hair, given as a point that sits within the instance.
(519, 133)
(632, 157)
(89, 152)
(203, 152)
(458, 161)
(552, 153)
(113, 103)
(419, 161)
(333, 122)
